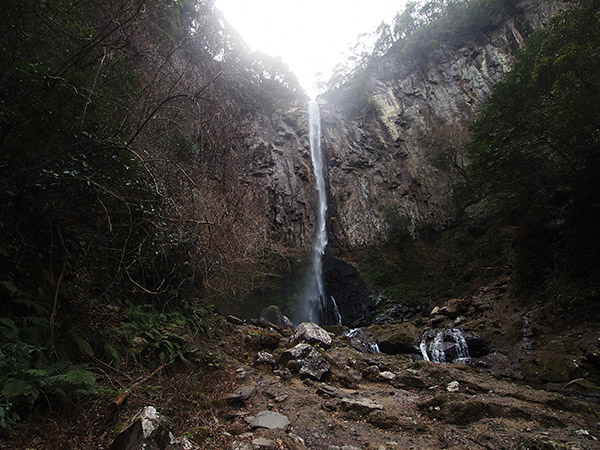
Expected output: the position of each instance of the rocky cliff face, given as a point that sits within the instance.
(412, 113)
(415, 118)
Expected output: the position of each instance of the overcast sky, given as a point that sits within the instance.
(310, 35)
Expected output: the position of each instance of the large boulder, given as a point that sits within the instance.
(147, 430)
(396, 338)
(311, 333)
(306, 361)
(272, 315)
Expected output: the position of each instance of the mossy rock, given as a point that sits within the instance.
(396, 338)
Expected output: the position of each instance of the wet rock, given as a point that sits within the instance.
(264, 359)
(241, 394)
(362, 341)
(273, 315)
(268, 419)
(146, 430)
(448, 345)
(311, 333)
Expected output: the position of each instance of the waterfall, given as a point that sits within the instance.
(316, 300)
(336, 311)
(442, 345)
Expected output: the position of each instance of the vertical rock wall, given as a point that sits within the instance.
(378, 159)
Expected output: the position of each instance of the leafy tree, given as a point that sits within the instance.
(535, 145)
(538, 131)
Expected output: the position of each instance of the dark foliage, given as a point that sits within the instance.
(535, 150)
(120, 181)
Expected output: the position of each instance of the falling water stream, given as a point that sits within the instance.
(318, 304)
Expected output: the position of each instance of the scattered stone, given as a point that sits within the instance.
(435, 311)
(311, 333)
(237, 445)
(457, 306)
(281, 398)
(264, 359)
(585, 433)
(237, 428)
(360, 405)
(296, 439)
(328, 391)
(241, 394)
(147, 429)
(371, 373)
(386, 375)
(269, 419)
(262, 442)
(285, 373)
(241, 373)
(273, 315)
(437, 320)
(183, 443)
(453, 386)
(234, 320)
(398, 313)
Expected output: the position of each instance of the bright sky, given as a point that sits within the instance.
(310, 35)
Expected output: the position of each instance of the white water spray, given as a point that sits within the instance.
(436, 350)
(316, 299)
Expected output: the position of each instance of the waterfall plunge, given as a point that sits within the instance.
(321, 310)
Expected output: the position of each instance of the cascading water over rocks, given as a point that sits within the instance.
(444, 346)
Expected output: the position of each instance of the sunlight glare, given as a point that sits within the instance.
(311, 36)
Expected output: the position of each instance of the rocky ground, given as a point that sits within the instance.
(272, 385)
(382, 401)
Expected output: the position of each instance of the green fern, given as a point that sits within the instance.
(83, 345)
(57, 381)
